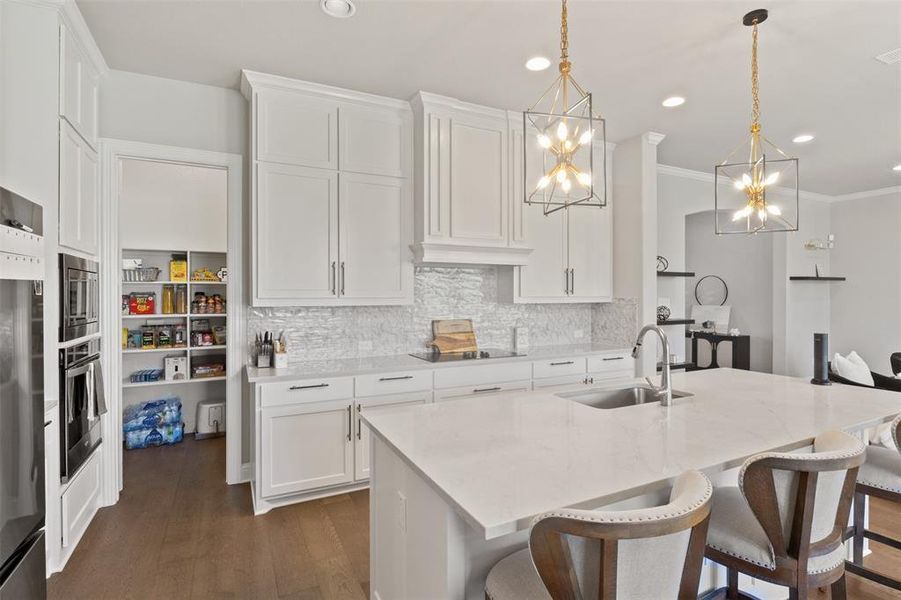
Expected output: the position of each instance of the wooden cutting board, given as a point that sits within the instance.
(454, 335)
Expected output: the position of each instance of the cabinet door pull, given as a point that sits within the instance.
(359, 423)
(572, 281)
(565, 362)
(342, 277)
(395, 378)
(614, 358)
(491, 389)
(350, 422)
(334, 277)
(566, 281)
(308, 387)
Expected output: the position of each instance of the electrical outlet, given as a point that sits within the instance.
(402, 511)
(578, 334)
(364, 346)
(215, 415)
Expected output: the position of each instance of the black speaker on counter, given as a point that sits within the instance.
(820, 359)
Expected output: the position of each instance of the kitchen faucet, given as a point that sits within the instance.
(665, 390)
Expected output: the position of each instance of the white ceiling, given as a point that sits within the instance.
(818, 72)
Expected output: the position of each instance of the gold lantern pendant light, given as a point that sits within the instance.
(560, 132)
(761, 194)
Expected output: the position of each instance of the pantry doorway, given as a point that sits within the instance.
(172, 302)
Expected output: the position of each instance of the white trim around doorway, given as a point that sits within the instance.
(112, 151)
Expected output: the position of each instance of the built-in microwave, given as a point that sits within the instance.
(79, 293)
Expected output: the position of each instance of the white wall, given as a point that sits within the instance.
(677, 197)
(150, 109)
(745, 262)
(800, 308)
(166, 206)
(866, 309)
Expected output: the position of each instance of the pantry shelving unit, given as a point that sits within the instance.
(191, 389)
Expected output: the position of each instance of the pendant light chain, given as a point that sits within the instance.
(755, 84)
(565, 65)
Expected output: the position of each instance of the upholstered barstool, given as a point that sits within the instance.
(786, 521)
(647, 553)
(880, 476)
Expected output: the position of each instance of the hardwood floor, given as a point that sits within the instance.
(179, 532)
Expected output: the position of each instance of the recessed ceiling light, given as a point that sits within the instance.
(803, 138)
(673, 101)
(538, 63)
(897, 167)
(338, 8)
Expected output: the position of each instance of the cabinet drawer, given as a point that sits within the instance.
(558, 366)
(393, 383)
(488, 389)
(80, 500)
(618, 361)
(482, 374)
(555, 382)
(307, 390)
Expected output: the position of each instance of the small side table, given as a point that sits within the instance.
(741, 349)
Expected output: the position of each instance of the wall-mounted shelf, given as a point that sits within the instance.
(676, 322)
(813, 278)
(675, 273)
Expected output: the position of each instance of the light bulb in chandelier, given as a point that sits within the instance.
(562, 131)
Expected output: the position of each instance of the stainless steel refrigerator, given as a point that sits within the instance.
(22, 550)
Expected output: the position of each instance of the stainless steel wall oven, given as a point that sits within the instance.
(82, 401)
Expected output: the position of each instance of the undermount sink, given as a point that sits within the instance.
(617, 398)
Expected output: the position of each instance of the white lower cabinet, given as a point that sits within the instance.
(361, 443)
(306, 446)
(80, 501)
(311, 440)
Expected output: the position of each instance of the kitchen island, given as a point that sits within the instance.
(455, 485)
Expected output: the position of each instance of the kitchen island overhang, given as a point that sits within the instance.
(470, 475)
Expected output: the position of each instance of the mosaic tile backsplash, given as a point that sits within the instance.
(316, 333)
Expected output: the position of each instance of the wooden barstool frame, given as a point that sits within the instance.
(858, 530)
(792, 555)
(553, 561)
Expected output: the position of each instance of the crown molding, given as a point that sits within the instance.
(653, 137)
(895, 189)
(74, 20)
(253, 79)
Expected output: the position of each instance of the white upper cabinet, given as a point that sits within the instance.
(375, 141)
(295, 129)
(331, 195)
(79, 87)
(79, 199)
(296, 233)
(375, 216)
(462, 196)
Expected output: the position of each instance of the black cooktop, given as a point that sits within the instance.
(455, 356)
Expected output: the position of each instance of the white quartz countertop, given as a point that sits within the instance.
(502, 460)
(405, 362)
